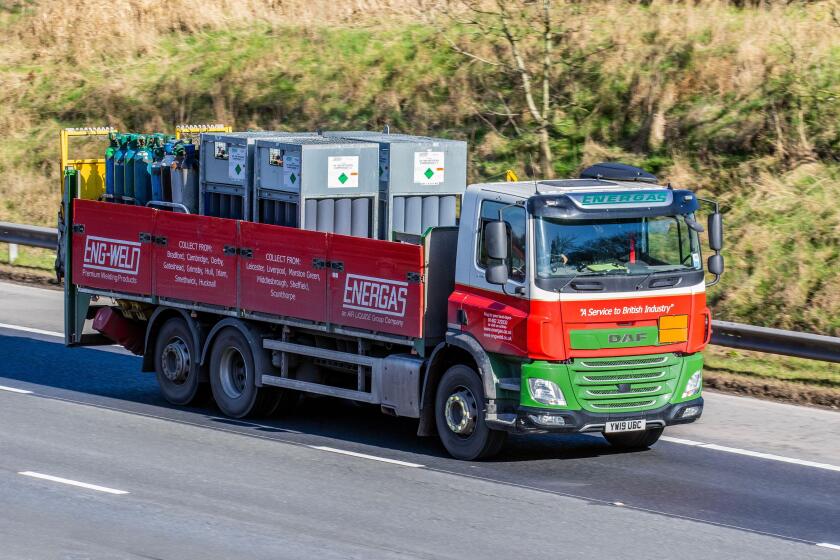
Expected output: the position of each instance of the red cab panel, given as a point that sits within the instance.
(283, 271)
(112, 247)
(498, 321)
(376, 285)
(193, 259)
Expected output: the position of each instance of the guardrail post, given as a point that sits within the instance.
(13, 252)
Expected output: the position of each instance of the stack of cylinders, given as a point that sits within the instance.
(416, 214)
(345, 216)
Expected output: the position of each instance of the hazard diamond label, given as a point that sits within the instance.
(236, 162)
(342, 172)
(428, 168)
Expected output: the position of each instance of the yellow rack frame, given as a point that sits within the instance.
(92, 171)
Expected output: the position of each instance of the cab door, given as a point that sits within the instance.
(497, 315)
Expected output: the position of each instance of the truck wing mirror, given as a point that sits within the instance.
(715, 264)
(716, 231)
(496, 240)
(497, 273)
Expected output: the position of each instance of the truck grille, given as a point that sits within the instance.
(623, 381)
(628, 362)
(614, 405)
(620, 378)
(632, 391)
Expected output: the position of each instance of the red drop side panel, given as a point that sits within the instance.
(376, 285)
(285, 273)
(107, 248)
(192, 265)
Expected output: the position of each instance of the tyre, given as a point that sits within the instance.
(177, 364)
(459, 415)
(634, 440)
(232, 377)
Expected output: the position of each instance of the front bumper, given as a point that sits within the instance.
(531, 420)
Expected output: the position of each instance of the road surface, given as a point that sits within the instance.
(94, 464)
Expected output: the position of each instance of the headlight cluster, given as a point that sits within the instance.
(546, 392)
(695, 383)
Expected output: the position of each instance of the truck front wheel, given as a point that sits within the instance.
(177, 364)
(634, 440)
(232, 377)
(459, 415)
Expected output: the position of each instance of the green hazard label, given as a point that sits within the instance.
(343, 178)
(238, 169)
(429, 173)
(293, 178)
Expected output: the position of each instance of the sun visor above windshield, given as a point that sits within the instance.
(615, 204)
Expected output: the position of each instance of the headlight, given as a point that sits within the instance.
(546, 392)
(695, 383)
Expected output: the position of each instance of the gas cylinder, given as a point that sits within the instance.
(130, 154)
(142, 170)
(166, 168)
(185, 177)
(110, 152)
(119, 167)
(158, 153)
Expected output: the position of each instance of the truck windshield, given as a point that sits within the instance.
(621, 246)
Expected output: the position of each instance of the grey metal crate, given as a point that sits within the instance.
(421, 179)
(226, 172)
(317, 183)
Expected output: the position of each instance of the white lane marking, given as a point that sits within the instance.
(30, 330)
(756, 454)
(829, 545)
(13, 390)
(246, 424)
(74, 483)
(681, 441)
(364, 456)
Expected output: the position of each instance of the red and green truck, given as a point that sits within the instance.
(561, 306)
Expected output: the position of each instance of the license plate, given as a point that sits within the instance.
(625, 426)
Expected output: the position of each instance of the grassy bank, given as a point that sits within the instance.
(773, 377)
(741, 104)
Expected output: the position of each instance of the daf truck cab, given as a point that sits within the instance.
(584, 303)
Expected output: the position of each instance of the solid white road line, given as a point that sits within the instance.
(748, 453)
(73, 483)
(30, 330)
(246, 424)
(829, 545)
(364, 456)
(13, 390)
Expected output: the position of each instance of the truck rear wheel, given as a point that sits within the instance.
(233, 375)
(177, 365)
(634, 440)
(459, 415)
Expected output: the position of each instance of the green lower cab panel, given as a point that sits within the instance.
(616, 385)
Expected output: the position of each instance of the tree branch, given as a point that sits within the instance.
(524, 75)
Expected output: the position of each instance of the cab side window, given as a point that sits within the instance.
(514, 217)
